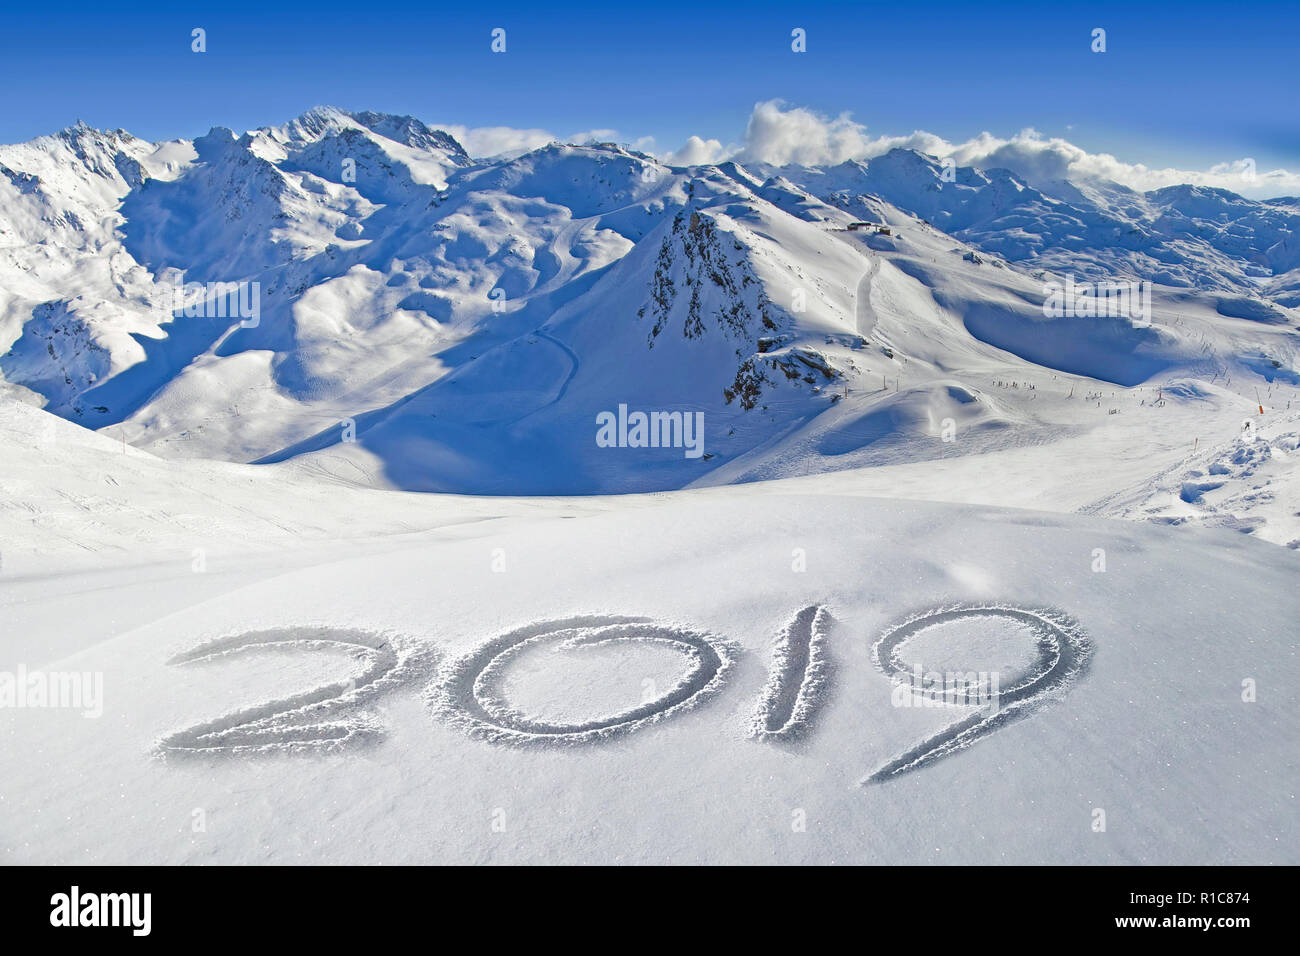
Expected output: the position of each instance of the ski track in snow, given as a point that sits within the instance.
(323, 719)
(574, 361)
(466, 693)
(1063, 656)
(864, 311)
(799, 678)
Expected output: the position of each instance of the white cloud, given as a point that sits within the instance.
(594, 136)
(797, 135)
(1039, 158)
(488, 141)
(484, 141)
(780, 134)
(696, 151)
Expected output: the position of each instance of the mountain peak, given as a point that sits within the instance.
(320, 122)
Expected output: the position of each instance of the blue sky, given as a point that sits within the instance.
(1186, 84)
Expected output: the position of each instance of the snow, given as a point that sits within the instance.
(1155, 732)
(362, 584)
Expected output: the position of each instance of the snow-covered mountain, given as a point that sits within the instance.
(1181, 236)
(226, 363)
(416, 318)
